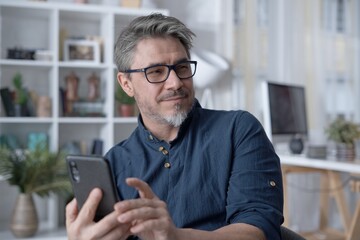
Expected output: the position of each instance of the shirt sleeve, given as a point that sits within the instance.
(255, 192)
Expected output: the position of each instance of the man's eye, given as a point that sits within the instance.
(182, 67)
(155, 70)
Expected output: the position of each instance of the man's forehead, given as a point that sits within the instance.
(158, 50)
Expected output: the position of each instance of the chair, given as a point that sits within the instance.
(288, 234)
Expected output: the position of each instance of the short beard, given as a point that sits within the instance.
(177, 119)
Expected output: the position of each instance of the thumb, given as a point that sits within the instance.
(143, 188)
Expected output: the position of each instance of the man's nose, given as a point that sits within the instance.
(173, 81)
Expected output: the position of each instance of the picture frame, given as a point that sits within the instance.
(81, 50)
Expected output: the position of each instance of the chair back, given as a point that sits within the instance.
(287, 234)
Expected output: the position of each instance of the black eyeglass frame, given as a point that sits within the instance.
(170, 67)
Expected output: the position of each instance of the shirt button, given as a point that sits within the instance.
(151, 137)
(165, 152)
(161, 148)
(167, 165)
(272, 183)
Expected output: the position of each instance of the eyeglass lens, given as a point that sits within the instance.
(162, 72)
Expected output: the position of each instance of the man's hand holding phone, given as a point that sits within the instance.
(81, 225)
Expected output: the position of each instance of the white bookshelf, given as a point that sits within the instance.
(37, 25)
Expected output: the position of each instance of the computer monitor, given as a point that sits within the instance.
(284, 110)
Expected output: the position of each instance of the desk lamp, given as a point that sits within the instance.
(211, 67)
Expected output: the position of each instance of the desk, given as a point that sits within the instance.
(331, 170)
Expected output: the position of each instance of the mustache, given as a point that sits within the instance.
(177, 93)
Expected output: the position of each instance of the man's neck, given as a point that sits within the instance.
(164, 132)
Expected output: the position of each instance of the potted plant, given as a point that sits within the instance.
(126, 104)
(342, 133)
(37, 171)
(20, 95)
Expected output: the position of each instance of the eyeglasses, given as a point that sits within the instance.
(160, 73)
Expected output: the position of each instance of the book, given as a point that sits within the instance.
(30, 106)
(97, 147)
(62, 101)
(7, 101)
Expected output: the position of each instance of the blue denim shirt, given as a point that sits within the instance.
(220, 169)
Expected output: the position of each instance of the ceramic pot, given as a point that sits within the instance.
(20, 110)
(345, 152)
(126, 110)
(24, 222)
(296, 145)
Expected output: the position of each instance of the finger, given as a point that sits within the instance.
(71, 212)
(151, 225)
(143, 188)
(88, 210)
(142, 214)
(127, 205)
(109, 226)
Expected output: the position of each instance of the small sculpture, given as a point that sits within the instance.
(72, 84)
(43, 106)
(93, 87)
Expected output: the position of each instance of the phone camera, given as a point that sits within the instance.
(74, 172)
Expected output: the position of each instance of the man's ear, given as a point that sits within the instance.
(125, 83)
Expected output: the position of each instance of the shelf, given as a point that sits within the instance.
(44, 26)
(26, 63)
(80, 64)
(74, 120)
(125, 120)
(35, 120)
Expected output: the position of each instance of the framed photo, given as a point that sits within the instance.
(81, 50)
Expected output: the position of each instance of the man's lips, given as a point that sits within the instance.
(172, 96)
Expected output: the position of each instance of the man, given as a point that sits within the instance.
(185, 172)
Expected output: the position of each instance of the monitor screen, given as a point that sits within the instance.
(285, 110)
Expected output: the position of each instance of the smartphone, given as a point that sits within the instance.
(87, 173)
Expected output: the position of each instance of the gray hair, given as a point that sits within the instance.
(153, 25)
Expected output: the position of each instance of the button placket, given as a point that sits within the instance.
(165, 152)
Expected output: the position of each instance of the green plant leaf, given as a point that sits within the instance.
(122, 97)
(343, 131)
(39, 171)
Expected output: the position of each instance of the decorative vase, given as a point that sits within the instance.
(24, 222)
(20, 110)
(126, 110)
(296, 145)
(357, 148)
(345, 152)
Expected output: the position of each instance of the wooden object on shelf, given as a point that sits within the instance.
(43, 106)
(93, 87)
(72, 85)
(131, 3)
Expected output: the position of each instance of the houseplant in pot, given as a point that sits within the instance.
(37, 171)
(20, 96)
(126, 104)
(342, 134)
